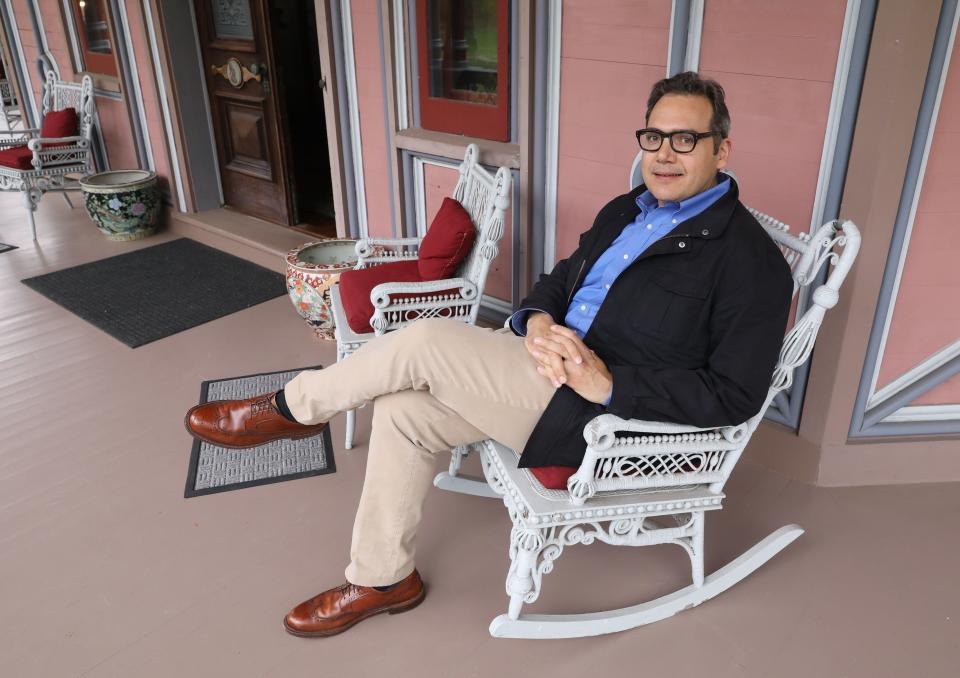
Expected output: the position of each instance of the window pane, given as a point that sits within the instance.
(93, 14)
(463, 50)
(231, 19)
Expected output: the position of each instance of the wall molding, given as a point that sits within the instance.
(691, 60)
(32, 114)
(552, 137)
(887, 411)
(133, 93)
(164, 105)
(353, 119)
(41, 33)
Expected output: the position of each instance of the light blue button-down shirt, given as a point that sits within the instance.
(652, 223)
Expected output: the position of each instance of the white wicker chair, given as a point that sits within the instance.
(486, 198)
(643, 483)
(10, 114)
(56, 162)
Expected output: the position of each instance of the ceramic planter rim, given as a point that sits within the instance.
(147, 177)
(292, 257)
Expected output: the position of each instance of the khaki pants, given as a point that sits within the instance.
(435, 384)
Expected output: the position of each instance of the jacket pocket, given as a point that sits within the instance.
(672, 306)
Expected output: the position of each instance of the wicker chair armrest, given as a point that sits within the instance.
(661, 454)
(383, 295)
(21, 132)
(384, 250)
(15, 141)
(456, 301)
(600, 431)
(37, 143)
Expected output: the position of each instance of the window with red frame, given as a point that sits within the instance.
(464, 67)
(92, 19)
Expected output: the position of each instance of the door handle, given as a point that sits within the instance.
(239, 75)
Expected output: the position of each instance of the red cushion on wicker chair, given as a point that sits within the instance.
(58, 124)
(355, 287)
(553, 477)
(17, 157)
(448, 241)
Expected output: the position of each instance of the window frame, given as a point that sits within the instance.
(94, 62)
(461, 117)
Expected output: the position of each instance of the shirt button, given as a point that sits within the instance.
(583, 308)
(607, 286)
(674, 221)
(626, 256)
(649, 226)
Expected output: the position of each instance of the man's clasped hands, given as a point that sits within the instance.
(563, 358)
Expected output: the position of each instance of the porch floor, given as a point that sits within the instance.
(105, 570)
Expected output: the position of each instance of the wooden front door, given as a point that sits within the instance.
(239, 64)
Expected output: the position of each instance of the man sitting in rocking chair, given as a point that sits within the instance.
(672, 308)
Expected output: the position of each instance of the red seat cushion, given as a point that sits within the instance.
(355, 287)
(57, 124)
(17, 157)
(553, 477)
(447, 243)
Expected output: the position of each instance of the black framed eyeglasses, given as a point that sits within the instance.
(681, 140)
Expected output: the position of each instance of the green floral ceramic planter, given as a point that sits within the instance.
(124, 204)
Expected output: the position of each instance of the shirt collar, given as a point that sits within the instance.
(690, 207)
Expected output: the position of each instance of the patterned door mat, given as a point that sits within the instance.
(156, 291)
(4, 247)
(219, 469)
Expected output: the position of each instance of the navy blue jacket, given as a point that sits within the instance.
(691, 330)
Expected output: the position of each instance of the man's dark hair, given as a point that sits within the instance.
(691, 84)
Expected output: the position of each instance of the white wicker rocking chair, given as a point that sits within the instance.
(643, 483)
(486, 198)
(56, 162)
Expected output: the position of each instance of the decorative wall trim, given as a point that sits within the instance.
(164, 105)
(834, 157)
(691, 60)
(383, 29)
(889, 414)
(554, 37)
(133, 93)
(400, 65)
(677, 45)
(32, 114)
(71, 28)
(353, 119)
(925, 413)
(41, 34)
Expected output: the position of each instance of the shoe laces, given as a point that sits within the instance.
(261, 405)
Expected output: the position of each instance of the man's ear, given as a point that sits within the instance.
(723, 153)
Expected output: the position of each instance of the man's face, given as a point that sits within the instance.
(672, 176)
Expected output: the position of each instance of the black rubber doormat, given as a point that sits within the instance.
(158, 291)
(219, 469)
(6, 248)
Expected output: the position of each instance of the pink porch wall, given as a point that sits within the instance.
(366, 50)
(776, 61)
(612, 53)
(926, 317)
(438, 183)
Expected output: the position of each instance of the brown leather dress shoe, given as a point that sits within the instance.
(336, 610)
(244, 423)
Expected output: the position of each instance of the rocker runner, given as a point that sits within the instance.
(672, 308)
